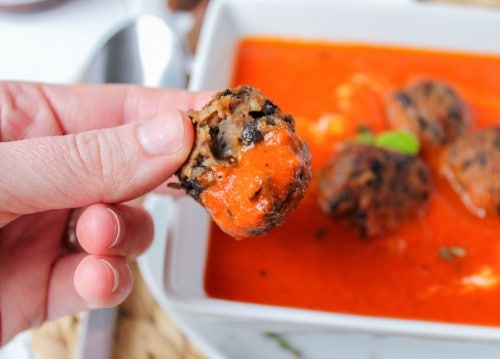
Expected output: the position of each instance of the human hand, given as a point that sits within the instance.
(89, 147)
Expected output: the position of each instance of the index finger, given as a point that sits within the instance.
(45, 109)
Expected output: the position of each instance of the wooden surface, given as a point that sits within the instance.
(143, 329)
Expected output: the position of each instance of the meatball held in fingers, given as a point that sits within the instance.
(373, 189)
(432, 110)
(472, 166)
(248, 167)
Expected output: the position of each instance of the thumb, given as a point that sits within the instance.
(110, 165)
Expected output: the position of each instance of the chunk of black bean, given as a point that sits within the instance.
(192, 187)
(251, 133)
(219, 148)
(226, 92)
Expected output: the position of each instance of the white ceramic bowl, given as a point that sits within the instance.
(181, 241)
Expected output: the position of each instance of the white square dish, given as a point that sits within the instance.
(227, 21)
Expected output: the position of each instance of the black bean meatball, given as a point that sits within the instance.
(472, 166)
(374, 189)
(430, 109)
(248, 167)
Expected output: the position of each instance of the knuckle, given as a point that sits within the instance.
(23, 106)
(100, 157)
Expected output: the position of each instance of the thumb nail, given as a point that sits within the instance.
(163, 134)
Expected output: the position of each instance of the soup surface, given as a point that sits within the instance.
(444, 266)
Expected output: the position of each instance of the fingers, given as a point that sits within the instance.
(78, 282)
(101, 166)
(103, 281)
(110, 235)
(32, 110)
(119, 230)
(81, 282)
(85, 107)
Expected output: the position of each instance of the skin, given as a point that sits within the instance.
(83, 146)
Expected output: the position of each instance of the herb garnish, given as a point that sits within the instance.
(283, 343)
(451, 252)
(395, 140)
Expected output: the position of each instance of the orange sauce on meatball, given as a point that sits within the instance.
(274, 160)
(442, 267)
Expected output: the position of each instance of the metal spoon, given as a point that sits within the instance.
(146, 51)
(143, 50)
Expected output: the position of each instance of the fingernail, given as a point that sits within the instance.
(118, 229)
(162, 135)
(116, 276)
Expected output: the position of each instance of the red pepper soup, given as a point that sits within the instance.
(444, 266)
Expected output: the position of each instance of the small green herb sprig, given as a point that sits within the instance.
(283, 343)
(395, 140)
(451, 252)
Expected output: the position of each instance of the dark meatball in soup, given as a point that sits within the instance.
(374, 189)
(472, 166)
(432, 110)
